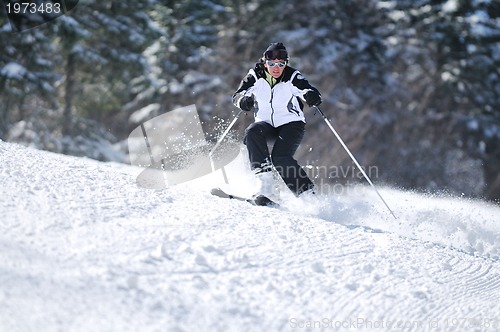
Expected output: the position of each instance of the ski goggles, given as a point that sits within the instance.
(276, 54)
(280, 64)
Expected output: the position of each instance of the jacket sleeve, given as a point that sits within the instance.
(245, 88)
(302, 86)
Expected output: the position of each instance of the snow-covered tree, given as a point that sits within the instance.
(449, 54)
(27, 74)
(412, 86)
(103, 45)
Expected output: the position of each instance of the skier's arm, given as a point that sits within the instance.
(244, 90)
(304, 90)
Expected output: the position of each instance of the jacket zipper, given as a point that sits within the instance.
(272, 108)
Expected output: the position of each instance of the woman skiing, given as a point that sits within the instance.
(274, 92)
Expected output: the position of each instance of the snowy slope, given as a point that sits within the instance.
(82, 248)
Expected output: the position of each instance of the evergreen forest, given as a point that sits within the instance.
(412, 86)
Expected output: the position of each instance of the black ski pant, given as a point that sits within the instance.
(286, 139)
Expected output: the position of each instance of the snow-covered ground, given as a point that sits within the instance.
(82, 248)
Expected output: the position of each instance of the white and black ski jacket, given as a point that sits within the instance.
(279, 104)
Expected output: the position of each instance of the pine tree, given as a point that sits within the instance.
(450, 51)
(103, 45)
(27, 74)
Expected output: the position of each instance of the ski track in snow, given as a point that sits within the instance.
(82, 248)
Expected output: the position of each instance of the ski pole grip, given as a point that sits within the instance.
(320, 111)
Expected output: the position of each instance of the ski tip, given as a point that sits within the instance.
(214, 191)
(262, 200)
(219, 192)
(259, 200)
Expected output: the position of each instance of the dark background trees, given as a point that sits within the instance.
(412, 86)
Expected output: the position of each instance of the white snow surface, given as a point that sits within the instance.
(83, 248)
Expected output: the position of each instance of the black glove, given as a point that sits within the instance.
(313, 98)
(247, 103)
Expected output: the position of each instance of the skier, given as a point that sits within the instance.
(274, 92)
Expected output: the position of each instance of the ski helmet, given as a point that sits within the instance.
(276, 51)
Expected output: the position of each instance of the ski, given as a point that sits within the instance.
(259, 200)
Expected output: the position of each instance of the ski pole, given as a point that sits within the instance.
(353, 159)
(225, 133)
(210, 154)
